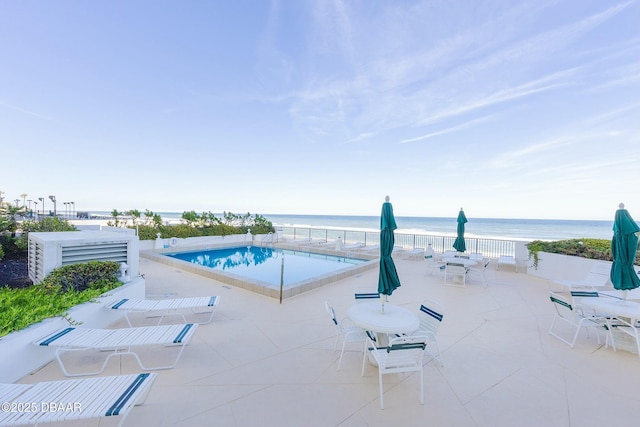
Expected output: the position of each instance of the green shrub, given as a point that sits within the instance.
(221, 230)
(44, 224)
(79, 277)
(147, 232)
(585, 248)
(179, 230)
(206, 224)
(56, 294)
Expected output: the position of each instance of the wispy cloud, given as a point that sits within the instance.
(430, 85)
(362, 137)
(541, 84)
(25, 111)
(451, 129)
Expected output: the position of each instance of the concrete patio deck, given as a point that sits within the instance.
(264, 363)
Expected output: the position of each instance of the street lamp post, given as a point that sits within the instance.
(36, 208)
(53, 199)
(42, 200)
(73, 209)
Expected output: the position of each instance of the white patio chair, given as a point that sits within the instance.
(619, 324)
(449, 254)
(454, 270)
(403, 354)
(576, 318)
(431, 315)
(347, 331)
(366, 294)
(479, 270)
(623, 325)
(433, 265)
(476, 256)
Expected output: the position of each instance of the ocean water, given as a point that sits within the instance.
(493, 228)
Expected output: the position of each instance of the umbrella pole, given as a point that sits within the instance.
(281, 277)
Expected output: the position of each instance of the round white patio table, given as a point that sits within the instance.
(394, 320)
(614, 307)
(464, 261)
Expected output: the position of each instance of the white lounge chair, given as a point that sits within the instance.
(118, 342)
(109, 397)
(167, 307)
(415, 254)
(597, 277)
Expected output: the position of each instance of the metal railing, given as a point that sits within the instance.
(491, 248)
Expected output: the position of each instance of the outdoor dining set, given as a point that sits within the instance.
(394, 339)
(593, 305)
(457, 267)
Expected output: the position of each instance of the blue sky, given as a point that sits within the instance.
(510, 109)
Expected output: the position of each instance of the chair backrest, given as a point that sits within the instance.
(431, 315)
(456, 269)
(430, 259)
(405, 352)
(578, 297)
(331, 312)
(598, 274)
(584, 294)
(562, 305)
(366, 295)
(476, 256)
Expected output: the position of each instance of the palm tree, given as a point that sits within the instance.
(114, 214)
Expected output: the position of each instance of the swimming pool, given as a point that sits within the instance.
(259, 268)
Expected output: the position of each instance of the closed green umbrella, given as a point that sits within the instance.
(388, 279)
(623, 248)
(459, 244)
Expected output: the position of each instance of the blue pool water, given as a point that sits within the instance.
(265, 264)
